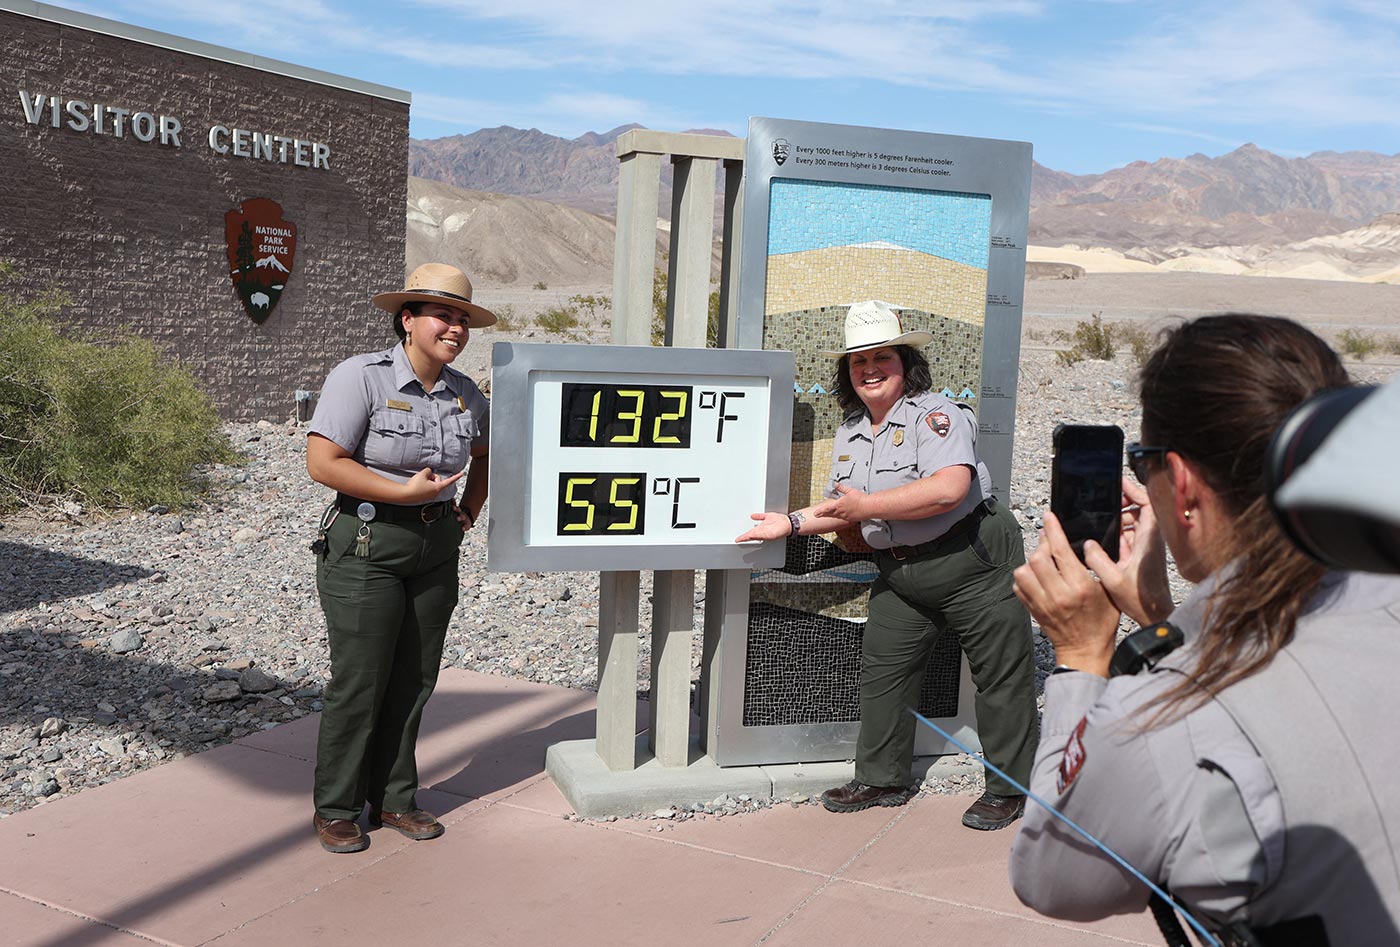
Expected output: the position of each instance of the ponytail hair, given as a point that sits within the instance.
(1215, 391)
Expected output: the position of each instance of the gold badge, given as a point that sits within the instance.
(398, 405)
(898, 437)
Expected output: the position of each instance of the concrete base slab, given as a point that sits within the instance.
(811, 779)
(595, 791)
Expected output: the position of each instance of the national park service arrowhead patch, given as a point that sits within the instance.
(1073, 760)
(261, 248)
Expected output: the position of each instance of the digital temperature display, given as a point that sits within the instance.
(593, 504)
(598, 415)
(621, 457)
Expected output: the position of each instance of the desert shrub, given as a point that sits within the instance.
(540, 284)
(112, 421)
(1090, 339)
(506, 319)
(590, 304)
(1356, 344)
(1069, 357)
(660, 287)
(1392, 344)
(558, 319)
(1139, 340)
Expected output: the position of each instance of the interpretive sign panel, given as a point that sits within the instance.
(633, 457)
(934, 226)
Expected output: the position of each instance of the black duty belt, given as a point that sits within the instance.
(390, 513)
(962, 526)
(1306, 931)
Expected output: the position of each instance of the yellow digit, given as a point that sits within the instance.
(613, 498)
(635, 416)
(656, 436)
(593, 419)
(587, 523)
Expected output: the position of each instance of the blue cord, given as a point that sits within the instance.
(1195, 924)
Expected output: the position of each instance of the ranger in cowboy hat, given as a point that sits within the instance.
(393, 433)
(905, 471)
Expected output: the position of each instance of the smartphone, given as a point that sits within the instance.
(1086, 484)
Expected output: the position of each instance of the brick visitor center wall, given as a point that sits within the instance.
(133, 231)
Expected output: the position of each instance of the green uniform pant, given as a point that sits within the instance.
(386, 618)
(961, 587)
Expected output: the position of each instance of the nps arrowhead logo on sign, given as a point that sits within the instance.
(261, 248)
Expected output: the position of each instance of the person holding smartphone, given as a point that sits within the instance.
(1252, 771)
(905, 471)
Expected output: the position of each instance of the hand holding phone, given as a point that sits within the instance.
(1086, 484)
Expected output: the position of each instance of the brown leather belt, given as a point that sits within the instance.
(390, 513)
(962, 526)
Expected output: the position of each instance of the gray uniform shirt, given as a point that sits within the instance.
(1192, 804)
(921, 435)
(375, 407)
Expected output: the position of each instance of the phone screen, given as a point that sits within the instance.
(1086, 484)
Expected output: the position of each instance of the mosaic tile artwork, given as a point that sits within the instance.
(820, 679)
(831, 245)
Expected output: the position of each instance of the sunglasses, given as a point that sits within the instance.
(1138, 457)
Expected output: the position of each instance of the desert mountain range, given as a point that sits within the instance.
(520, 206)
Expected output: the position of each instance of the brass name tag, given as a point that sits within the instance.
(843, 458)
(398, 405)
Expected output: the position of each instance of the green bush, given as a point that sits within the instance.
(1138, 339)
(590, 303)
(660, 287)
(558, 319)
(540, 284)
(1358, 345)
(1090, 339)
(506, 319)
(110, 421)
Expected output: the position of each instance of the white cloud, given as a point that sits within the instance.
(1175, 132)
(1195, 68)
(934, 44)
(1256, 62)
(568, 114)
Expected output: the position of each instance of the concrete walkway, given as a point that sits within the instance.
(218, 849)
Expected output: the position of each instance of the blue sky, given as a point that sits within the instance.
(1092, 84)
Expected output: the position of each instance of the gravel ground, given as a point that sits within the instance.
(137, 638)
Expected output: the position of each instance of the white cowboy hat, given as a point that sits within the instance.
(438, 283)
(873, 324)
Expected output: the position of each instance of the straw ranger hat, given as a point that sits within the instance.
(873, 324)
(437, 283)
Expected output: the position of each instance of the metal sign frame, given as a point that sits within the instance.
(843, 154)
(513, 478)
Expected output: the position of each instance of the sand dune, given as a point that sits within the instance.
(1368, 254)
(1092, 259)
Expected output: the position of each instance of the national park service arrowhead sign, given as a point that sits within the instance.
(261, 248)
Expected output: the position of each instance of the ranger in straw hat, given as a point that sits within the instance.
(393, 433)
(905, 471)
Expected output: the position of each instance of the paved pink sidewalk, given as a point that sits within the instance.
(218, 848)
